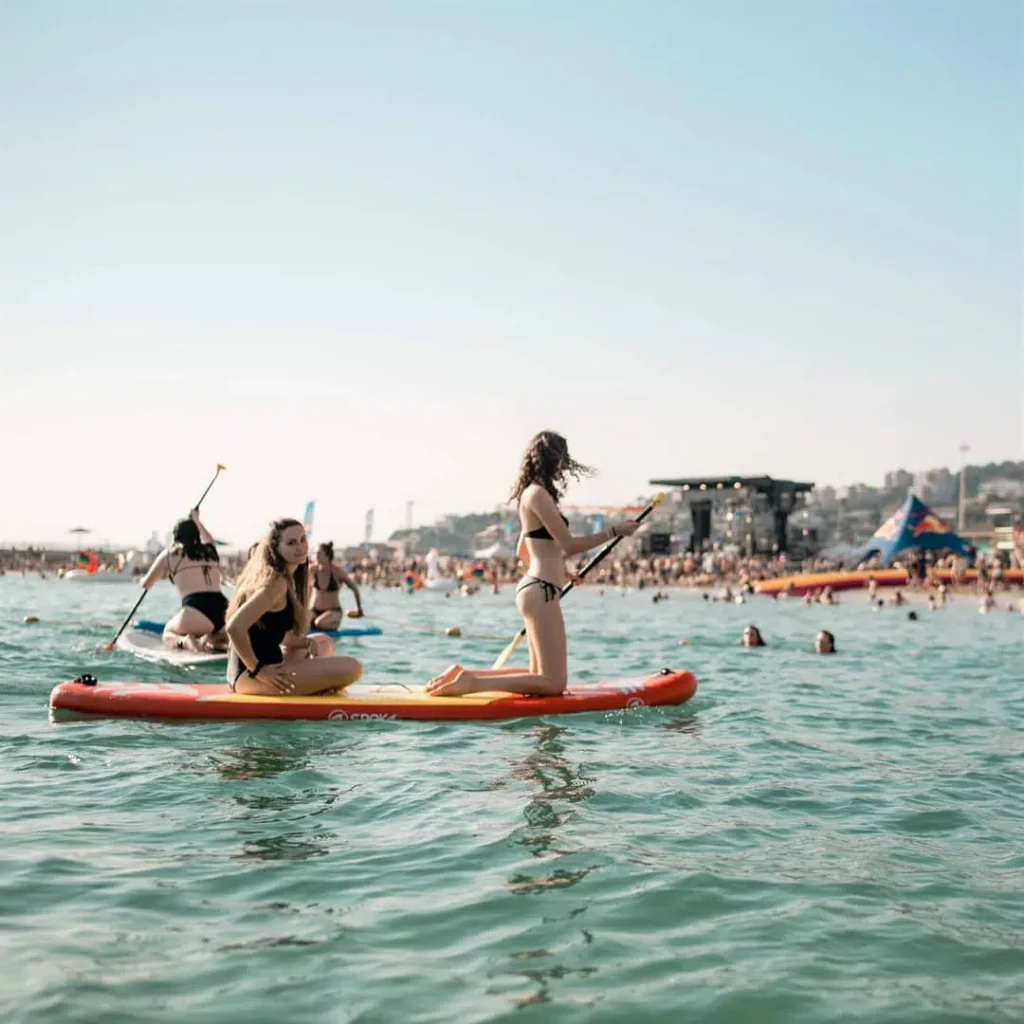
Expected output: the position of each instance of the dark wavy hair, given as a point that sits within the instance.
(327, 548)
(186, 537)
(547, 462)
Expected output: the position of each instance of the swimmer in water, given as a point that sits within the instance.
(825, 643)
(752, 637)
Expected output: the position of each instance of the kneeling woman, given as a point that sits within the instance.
(267, 620)
(544, 543)
(192, 564)
(327, 611)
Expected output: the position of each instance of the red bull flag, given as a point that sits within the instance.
(913, 527)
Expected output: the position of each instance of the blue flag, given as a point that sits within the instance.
(307, 519)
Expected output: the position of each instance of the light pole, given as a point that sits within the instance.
(408, 514)
(962, 514)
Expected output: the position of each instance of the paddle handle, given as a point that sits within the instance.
(142, 596)
(208, 486)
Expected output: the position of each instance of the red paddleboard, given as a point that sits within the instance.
(361, 701)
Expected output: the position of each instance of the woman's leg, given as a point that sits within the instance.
(330, 619)
(314, 675)
(548, 672)
(185, 627)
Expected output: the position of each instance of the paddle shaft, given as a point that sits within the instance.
(603, 553)
(142, 596)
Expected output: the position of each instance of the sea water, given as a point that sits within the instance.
(810, 839)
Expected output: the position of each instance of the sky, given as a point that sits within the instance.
(362, 253)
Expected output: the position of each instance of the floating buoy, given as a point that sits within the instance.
(31, 618)
(453, 631)
(684, 643)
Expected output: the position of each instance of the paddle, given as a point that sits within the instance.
(142, 596)
(507, 653)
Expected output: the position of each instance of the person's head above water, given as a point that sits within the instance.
(283, 553)
(325, 554)
(825, 643)
(187, 536)
(547, 462)
(752, 637)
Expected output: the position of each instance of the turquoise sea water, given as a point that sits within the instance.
(808, 840)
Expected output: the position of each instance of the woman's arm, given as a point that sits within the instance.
(205, 537)
(247, 615)
(544, 508)
(345, 578)
(157, 571)
(521, 549)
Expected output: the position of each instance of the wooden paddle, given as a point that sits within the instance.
(507, 653)
(142, 596)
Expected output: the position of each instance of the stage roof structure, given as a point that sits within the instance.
(702, 491)
(765, 484)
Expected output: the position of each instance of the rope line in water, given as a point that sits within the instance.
(436, 631)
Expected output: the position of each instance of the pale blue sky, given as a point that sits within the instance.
(362, 252)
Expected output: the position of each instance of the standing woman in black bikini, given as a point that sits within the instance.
(267, 621)
(326, 577)
(192, 564)
(544, 544)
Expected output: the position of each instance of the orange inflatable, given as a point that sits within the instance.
(800, 585)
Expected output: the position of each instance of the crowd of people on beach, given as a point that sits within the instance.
(721, 573)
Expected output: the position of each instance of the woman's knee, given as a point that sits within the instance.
(322, 645)
(557, 683)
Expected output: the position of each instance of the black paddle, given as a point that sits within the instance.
(600, 556)
(142, 596)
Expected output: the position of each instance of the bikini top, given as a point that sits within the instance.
(541, 533)
(205, 566)
(332, 583)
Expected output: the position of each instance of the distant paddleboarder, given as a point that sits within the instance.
(192, 564)
(326, 578)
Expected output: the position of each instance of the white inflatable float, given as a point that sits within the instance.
(434, 580)
(126, 574)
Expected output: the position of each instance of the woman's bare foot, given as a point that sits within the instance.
(446, 676)
(463, 681)
(212, 643)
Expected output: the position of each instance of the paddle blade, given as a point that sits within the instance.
(220, 467)
(502, 659)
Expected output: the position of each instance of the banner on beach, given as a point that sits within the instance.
(307, 518)
(599, 523)
(510, 530)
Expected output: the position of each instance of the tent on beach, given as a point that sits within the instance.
(913, 526)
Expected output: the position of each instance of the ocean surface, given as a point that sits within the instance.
(810, 839)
